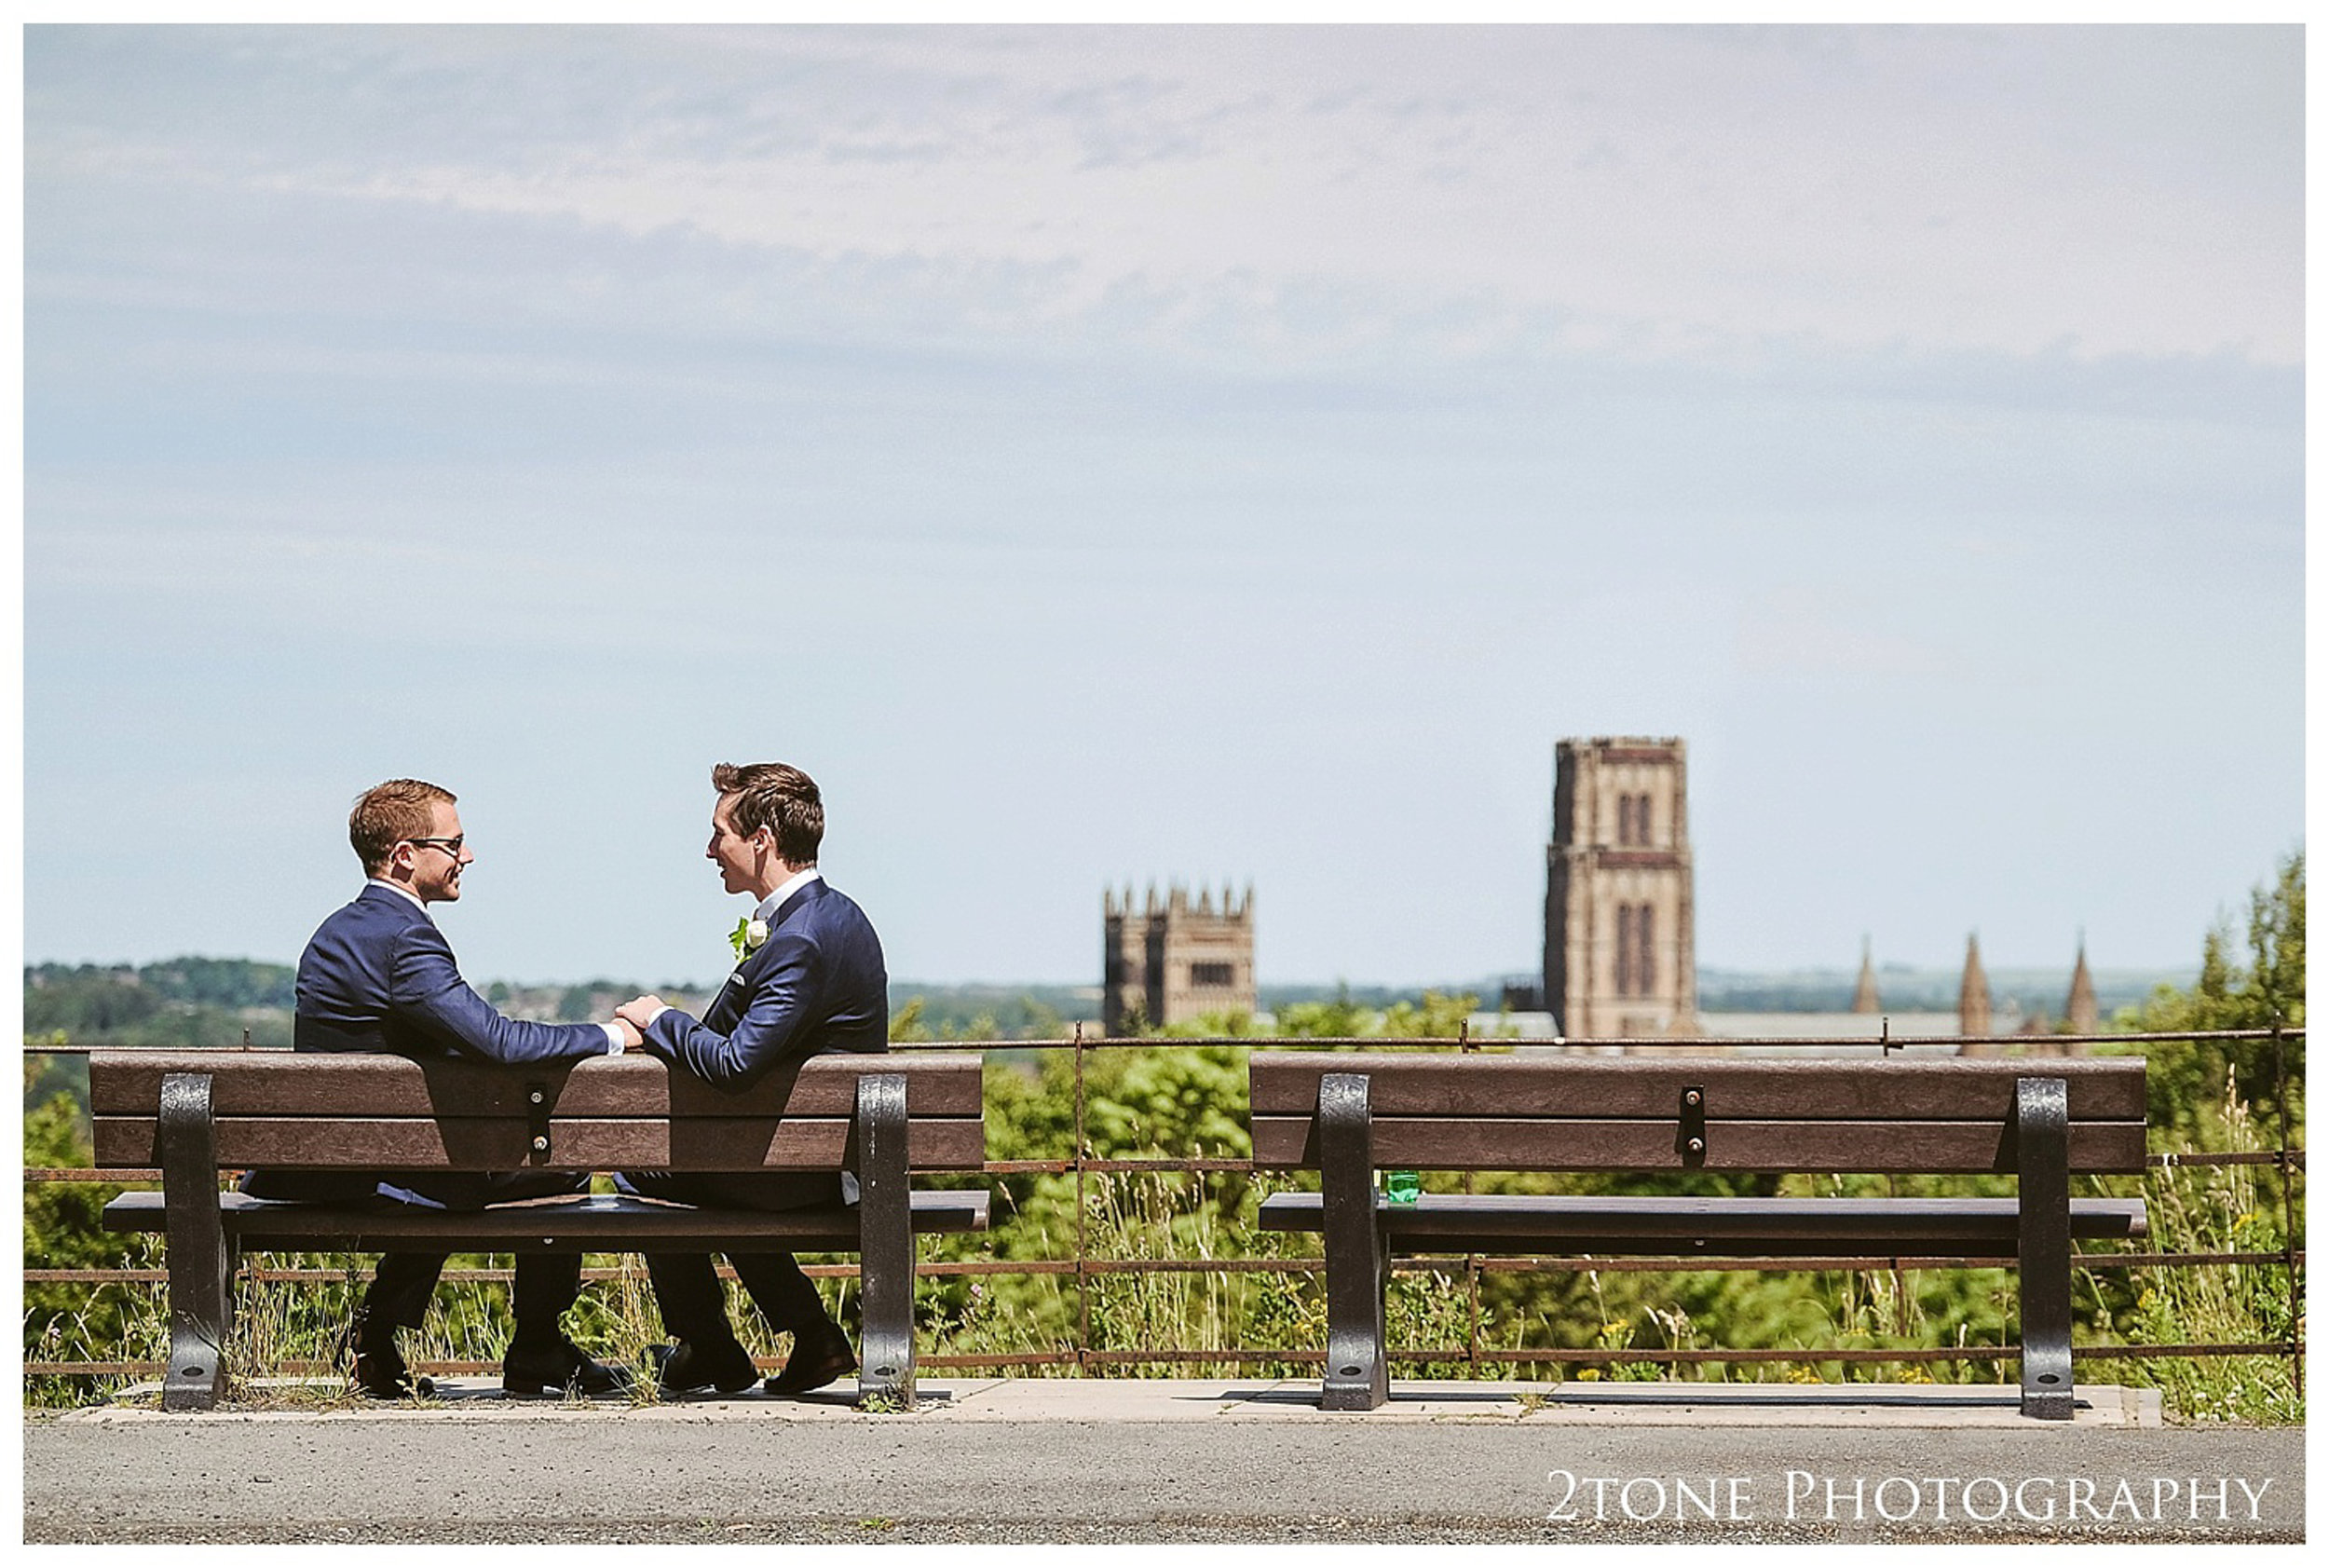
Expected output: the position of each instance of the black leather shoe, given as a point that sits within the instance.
(560, 1370)
(682, 1368)
(818, 1358)
(380, 1370)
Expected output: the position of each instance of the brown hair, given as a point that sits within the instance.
(388, 813)
(778, 796)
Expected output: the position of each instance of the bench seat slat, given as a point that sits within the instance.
(282, 1084)
(595, 1224)
(1527, 1083)
(1735, 1226)
(1502, 1143)
(505, 1143)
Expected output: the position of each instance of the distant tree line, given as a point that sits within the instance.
(178, 1002)
(213, 1001)
(1912, 991)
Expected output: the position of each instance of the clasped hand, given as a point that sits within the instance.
(640, 1010)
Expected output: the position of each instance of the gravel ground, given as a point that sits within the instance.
(739, 1476)
(1417, 1532)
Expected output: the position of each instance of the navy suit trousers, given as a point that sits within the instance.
(545, 1283)
(688, 1288)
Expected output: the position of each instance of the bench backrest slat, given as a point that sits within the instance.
(503, 1143)
(255, 1083)
(1877, 1148)
(355, 1109)
(1539, 1112)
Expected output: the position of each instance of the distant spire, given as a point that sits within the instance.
(2081, 1010)
(1973, 997)
(1864, 994)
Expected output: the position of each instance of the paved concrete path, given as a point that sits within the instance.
(1090, 1460)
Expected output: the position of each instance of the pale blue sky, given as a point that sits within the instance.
(1120, 454)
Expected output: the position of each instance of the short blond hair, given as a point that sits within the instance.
(388, 814)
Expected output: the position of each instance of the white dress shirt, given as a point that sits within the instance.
(784, 890)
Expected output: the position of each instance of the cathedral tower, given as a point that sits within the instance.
(1165, 961)
(1621, 957)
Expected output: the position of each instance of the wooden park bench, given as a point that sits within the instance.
(196, 1113)
(1348, 1116)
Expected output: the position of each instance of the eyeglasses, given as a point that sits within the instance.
(451, 846)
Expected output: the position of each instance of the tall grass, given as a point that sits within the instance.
(2213, 1208)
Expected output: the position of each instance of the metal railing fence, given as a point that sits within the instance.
(1082, 1268)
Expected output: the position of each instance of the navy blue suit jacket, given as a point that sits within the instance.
(815, 985)
(377, 975)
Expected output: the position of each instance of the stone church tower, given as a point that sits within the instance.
(1864, 997)
(1167, 962)
(1973, 1015)
(2084, 1016)
(1621, 954)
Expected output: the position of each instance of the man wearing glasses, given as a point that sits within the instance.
(377, 975)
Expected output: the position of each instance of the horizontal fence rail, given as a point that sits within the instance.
(1081, 1265)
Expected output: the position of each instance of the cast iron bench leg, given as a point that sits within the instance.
(1358, 1375)
(199, 1304)
(2042, 1115)
(886, 1242)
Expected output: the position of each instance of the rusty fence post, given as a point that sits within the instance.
(2288, 1205)
(1471, 1259)
(1083, 1300)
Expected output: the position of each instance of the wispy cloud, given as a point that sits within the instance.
(1659, 192)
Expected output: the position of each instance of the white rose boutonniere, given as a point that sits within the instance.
(747, 938)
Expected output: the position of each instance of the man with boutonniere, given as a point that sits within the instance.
(809, 980)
